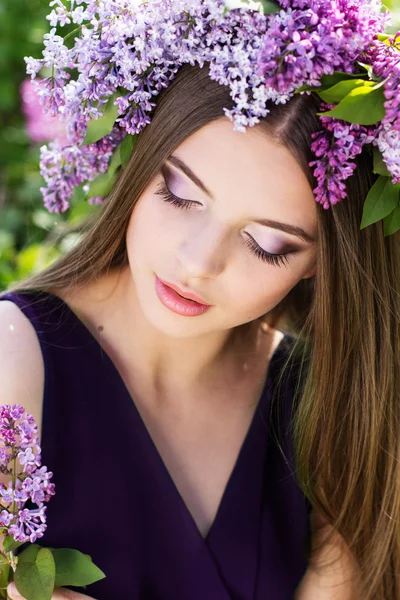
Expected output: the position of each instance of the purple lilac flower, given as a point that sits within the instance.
(29, 525)
(66, 167)
(38, 487)
(388, 142)
(5, 518)
(259, 57)
(19, 440)
(96, 200)
(385, 59)
(7, 493)
(335, 147)
(315, 38)
(5, 457)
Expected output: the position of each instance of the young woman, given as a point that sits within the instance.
(215, 369)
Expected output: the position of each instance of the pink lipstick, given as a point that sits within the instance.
(189, 306)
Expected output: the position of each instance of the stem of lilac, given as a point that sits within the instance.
(12, 562)
(13, 482)
(10, 555)
(72, 32)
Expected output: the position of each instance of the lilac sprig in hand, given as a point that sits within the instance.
(36, 571)
(19, 434)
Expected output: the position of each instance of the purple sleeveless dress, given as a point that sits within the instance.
(116, 501)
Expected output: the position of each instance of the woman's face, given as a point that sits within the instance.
(232, 218)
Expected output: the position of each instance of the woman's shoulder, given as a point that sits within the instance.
(21, 359)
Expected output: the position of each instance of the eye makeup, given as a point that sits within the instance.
(275, 258)
(175, 181)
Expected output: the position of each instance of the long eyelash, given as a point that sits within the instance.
(168, 196)
(274, 259)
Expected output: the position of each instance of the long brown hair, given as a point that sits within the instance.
(347, 423)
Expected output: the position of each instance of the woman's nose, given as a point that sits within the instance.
(203, 253)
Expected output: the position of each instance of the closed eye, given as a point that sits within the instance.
(169, 197)
(273, 259)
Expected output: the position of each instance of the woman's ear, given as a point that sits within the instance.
(311, 272)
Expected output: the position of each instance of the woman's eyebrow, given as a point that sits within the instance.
(179, 164)
(285, 227)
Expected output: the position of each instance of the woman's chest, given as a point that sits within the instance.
(199, 442)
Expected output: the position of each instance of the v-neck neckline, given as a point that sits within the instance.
(264, 395)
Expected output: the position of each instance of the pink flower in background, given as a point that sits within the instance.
(40, 127)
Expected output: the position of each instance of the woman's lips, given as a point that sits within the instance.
(188, 306)
(185, 294)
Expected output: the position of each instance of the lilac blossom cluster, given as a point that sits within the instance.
(134, 49)
(339, 142)
(336, 147)
(385, 58)
(20, 442)
(66, 167)
(388, 142)
(312, 38)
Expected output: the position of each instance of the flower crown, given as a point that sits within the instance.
(104, 75)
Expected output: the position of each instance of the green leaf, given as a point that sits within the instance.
(383, 37)
(363, 105)
(102, 185)
(328, 81)
(370, 70)
(263, 6)
(381, 200)
(75, 568)
(81, 210)
(391, 223)
(35, 573)
(10, 543)
(126, 148)
(115, 161)
(363, 65)
(98, 128)
(379, 167)
(336, 93)
(4, 575)
(270, 7)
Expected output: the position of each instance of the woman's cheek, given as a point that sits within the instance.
(147, 229)
(259, 294)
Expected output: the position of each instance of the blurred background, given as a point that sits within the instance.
(31, 237)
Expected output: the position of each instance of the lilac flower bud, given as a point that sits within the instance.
(335, 147)
(6, 493)
(5, 518)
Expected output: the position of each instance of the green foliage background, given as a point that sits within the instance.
(31, 237)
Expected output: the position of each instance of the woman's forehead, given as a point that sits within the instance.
(251, 171)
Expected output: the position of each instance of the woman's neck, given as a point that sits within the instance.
(108, 307)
